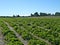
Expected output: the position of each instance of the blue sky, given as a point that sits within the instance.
(26, 7)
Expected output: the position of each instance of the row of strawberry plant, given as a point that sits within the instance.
(9, 36)
(25, 34)
(31, 25)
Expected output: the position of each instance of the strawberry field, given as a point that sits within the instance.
(33, 30)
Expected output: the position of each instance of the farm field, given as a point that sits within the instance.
(30, 30)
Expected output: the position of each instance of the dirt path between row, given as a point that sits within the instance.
(1, 38)
(18, 36)
(23, 41)
(39, 37)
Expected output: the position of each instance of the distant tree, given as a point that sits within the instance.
(17, 16)
(43, 14)
(13, 15)
(49, 14)
(57, 14)
(32, 14)
(36, 14)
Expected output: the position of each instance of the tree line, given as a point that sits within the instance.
(36, 14)
(45, 14)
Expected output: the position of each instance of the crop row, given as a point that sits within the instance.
(9, 36)
(23, 25)
(25, 34)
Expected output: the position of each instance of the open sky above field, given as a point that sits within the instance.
(26, 7)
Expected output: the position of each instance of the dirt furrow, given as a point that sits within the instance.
(39, 37)
(25, 42)
(18, 36)
(1, 38)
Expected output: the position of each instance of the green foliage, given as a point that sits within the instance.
(36, 42)
(9, 36)
(47, 28)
